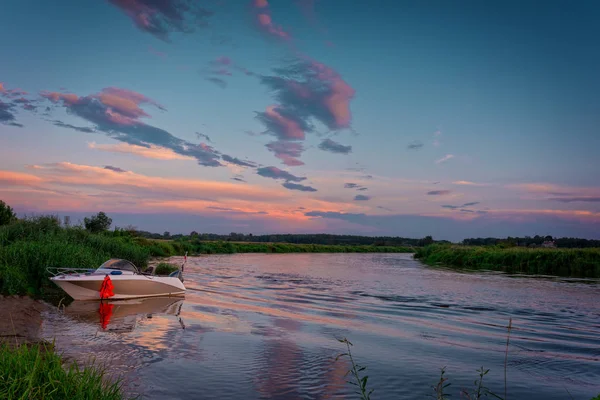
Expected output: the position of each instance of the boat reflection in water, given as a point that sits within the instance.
(123, 315)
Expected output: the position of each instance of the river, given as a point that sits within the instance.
(264, 326)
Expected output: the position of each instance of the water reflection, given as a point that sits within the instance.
(123, 315)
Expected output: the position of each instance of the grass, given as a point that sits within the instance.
(37, 372)
(539, 261)
(165, 268)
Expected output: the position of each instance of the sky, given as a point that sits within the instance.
(405, 118)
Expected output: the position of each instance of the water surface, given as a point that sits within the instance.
(264, 326)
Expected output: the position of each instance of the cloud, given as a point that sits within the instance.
(116, 169)
(296, 186)
(351, 185)
(473, 203)
(160, 18)
(361, 197)
(468, 183)
(283, 124)
(116, 113)
(451, 207)
(276, 173)
(222, 60)
(444, 159)
(288, 152)
(237, 161)
(202, 135)
(309, 89)
(385, 208)
(155, 152)
(77, 128)
(238, 178)
(6, 115)
(262, 16)
(334, 147)
(218, 81)
(362, 189)
(416, 145)
(438, 192)
(306, 91)
(367, 177)
(576, 199)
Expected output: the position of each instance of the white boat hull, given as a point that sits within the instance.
(87, 287)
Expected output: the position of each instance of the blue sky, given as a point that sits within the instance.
(426, 107)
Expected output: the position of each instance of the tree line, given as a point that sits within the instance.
(535, 241)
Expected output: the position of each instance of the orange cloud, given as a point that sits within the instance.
(18, 179)
(55, 97)
(156, 152)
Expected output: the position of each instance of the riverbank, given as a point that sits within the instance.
(582, 263)
(29, 246)
(31, 367)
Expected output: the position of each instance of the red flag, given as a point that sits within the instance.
(106, 290)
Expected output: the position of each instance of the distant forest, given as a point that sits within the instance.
(535, 241)
(353, 240)
(349, 240)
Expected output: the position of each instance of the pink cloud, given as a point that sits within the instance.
(291, 129)
(265, 22)
(288, 152)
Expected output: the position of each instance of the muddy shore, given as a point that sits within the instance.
(21, 319)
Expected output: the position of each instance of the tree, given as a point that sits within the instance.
(97, 223)
(167, 234)
(7, 215)
(194, 234)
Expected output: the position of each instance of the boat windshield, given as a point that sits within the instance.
(122, 265)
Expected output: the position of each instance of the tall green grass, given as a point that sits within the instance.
(29, 246)
(538, 261)
(37, 372)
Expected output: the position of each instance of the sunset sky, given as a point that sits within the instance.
(446, 118)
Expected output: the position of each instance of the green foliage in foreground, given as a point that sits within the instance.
(36, 372)
(29, 246)
(539, 261)
(165, 268)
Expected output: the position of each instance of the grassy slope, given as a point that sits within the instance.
(539, 261)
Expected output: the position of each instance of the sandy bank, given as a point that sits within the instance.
(21, 319)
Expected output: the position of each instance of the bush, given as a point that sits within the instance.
(165, 268)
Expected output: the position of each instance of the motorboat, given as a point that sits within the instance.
(116, 279)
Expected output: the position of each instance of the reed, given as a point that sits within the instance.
(37, 372)
(537, 261)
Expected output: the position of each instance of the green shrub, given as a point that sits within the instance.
(165, 268)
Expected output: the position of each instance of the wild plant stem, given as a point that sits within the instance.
(506, 356)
